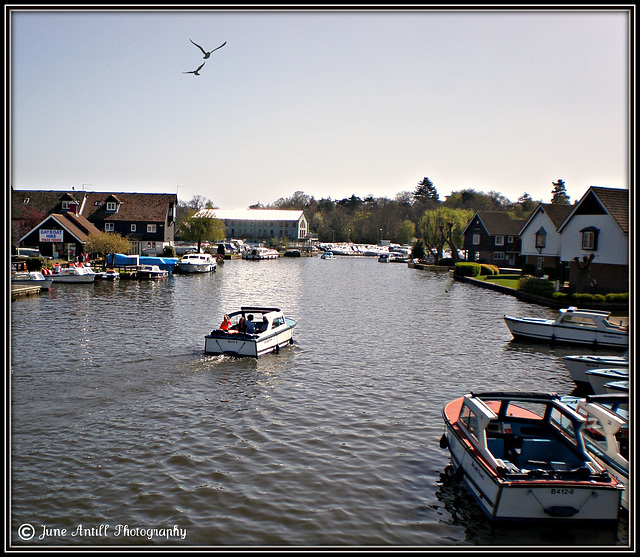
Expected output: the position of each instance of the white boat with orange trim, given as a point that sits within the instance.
(522, 457)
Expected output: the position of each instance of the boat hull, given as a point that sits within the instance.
(579, 365)
(196, 268)
(74, 278)
(547, 330)
(238, 344)
(531, 500)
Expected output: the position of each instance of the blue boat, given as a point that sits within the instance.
(121, 260)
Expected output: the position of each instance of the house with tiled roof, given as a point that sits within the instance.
(595, 241)
(540, 239)
(493, 237)
(60, 235)
(146, 219)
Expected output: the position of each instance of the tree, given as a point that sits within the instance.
(202, 229)
(425, 192)
(559, 191)
(107, 243)
(406, 232)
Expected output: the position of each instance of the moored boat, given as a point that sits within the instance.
(578, 365)
(151, 272)
(617, 387)
(32, 278)
(514, 454)
(269, 331)
(327, 255)
(261, 253)
(572, 326)
(197, 263)
(74, 274)
(598, 378)
(606, 433)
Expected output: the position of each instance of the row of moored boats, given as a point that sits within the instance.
(543, 456)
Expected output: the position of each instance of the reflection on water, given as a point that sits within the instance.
(119, 418)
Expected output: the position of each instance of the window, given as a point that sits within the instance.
(499, 240)
(151, 228)
(111, 206)
(26, 201)
(590, 238)
(498, 255)
(133, 228)
(541, 239)
(109, 227)
(65, 204)
(540, 263)
(476, 240)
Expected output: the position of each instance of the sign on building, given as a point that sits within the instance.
(51, 235)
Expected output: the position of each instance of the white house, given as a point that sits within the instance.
(598, 226)
(261, 224)
(540, 239)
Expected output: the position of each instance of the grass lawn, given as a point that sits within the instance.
(510, 281)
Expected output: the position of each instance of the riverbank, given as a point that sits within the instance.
(525, 296)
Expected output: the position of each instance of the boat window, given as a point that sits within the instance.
(470, 421)
(582, 320)
(563, 424)
(526, 409)
(278, 321)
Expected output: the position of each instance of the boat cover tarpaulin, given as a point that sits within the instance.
(121, 260)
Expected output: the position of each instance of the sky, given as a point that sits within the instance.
(331, 103)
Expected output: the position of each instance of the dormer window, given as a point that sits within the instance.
(65, 205)
(112, 206)
(26, 201)
(590, 238)
(541, 239)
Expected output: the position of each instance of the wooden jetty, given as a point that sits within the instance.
(21, 290)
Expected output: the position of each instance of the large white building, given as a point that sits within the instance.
(261, 224)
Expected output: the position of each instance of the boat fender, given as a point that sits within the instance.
(443, 442)
(458, 474)
(561, 511)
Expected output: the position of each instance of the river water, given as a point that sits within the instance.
(124, 433)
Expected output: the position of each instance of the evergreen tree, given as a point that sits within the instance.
(560, 196)
(425, 192)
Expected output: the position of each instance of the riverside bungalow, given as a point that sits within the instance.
(493, 237)
(540, 239)
(254, 225)
(61, 236)
(598, 226)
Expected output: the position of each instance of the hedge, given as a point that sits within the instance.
(467, 269)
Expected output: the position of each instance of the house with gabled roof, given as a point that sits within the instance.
(147, 220)
(493, 237)
(540, 240)
(61, 235)
(595, 241)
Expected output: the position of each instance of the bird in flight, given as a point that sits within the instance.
(207, 54)
(195, 72)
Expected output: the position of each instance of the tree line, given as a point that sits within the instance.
(411, 214)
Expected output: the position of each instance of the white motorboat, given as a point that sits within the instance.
(151, 272)
(598, 378)
(327, 255)
(617, 387)
(110, 274)
(261, 253)
(606, 433)
(74, 274)
(197, 263)
(32, 278)
(578, 365)
(387, 257)
(573, 326)
(514, 454)
(271, 332)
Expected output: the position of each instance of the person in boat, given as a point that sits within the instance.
(249, 326)
(263, 326)
(242, 325)
(226, 323)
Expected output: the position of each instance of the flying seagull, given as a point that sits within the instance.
(195, 72)
(207, 54)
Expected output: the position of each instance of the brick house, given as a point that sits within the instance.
(598, 226)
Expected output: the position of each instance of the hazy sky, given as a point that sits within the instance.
(328, 103)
